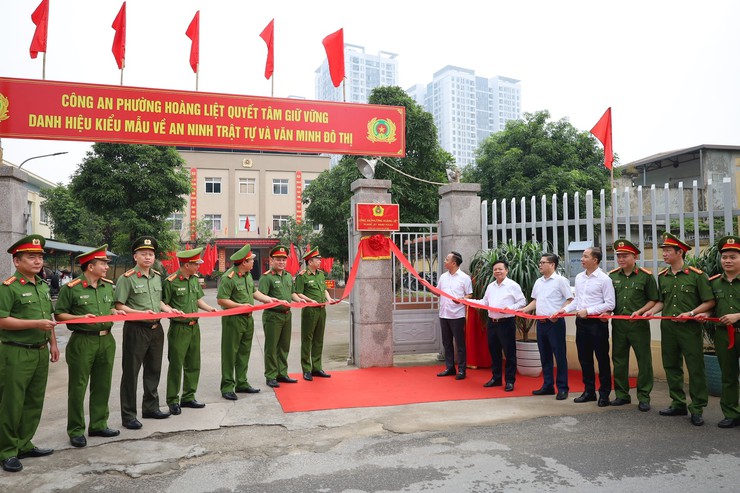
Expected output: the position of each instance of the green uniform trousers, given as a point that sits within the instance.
(277, 343)
(183, 355)
(23, 374)
(237, 332)
(635, 335)
(728, 363)
(142, 346)
(313, 323)
(679, 342)
(89, 360)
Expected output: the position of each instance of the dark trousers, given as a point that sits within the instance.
(592, 337)
(142, 346)
(454, 329)
(551, 342)
(502, 337)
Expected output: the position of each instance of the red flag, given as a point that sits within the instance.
(327, 263)
(40, 17)
(205, 268)
(603, 131)
(248, 226)
(193, 33)
(214, 257)
(119, 40)
(292, 264)
(334, 45)
(268, 34)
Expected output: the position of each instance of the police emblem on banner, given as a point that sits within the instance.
(381, 130)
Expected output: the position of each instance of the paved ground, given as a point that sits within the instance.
(514, 444)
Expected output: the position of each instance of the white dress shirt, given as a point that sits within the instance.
(458, 285)
(551, 294)
(508, 295)
(594, 293)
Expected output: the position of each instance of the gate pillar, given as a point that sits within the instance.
(459, 215)
(371, 299)
(13, 201)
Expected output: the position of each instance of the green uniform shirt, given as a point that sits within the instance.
(236, 287)
(683, 291)
(138, 291)
(634, 291)
(24, 300)
(182, 293)
(277, 286)
(727, 295)
(312, 285)
(79, 297)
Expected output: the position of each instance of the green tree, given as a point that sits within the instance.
(69, 220)
(301, 234)
(329, 195)
(132, 189)
(203, 234)
(535, 156)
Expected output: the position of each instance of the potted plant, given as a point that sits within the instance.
(524, 269)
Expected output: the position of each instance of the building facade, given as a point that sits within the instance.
(363, 73)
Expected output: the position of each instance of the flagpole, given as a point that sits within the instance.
(344, 90)
(197, 72)
(43, 67)
(123, 65)
(272, 82)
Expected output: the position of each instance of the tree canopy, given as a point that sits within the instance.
(535, 156)
(118, 193)
(329, 195)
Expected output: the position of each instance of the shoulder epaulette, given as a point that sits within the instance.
(698, 271)
(614, 270)
(646, 271)
(156, 272)
(129, 273)
(172, 277)
(74, 283)
(663, 271)
(231, 274)
(105, 279)
(715, 277)
(9, 280)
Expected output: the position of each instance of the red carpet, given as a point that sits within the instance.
(373, 387)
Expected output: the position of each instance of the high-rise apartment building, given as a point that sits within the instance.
(468, 108)
(363, 71)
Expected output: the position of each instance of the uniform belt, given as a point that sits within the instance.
(24, 345)
(148, 325)
(278, 310)
(92, 332)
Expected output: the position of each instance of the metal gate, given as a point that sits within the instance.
(415, 309)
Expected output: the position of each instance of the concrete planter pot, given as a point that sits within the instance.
(528, 359)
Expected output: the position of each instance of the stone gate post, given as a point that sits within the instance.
(460, 221)
(13, 202)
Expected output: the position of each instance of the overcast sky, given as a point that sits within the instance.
(669, 69)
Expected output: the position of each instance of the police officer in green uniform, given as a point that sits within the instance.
(182, 291)
(27, 343)
(310, 286)
(277, 321)
(726, 288)
(684, 292)
(237, 290)
(91, 348)
(635, 292)
(139, 290)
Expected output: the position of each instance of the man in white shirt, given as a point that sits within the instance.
(502, 293)
(550, 294)
(594, 296)
(452, 314)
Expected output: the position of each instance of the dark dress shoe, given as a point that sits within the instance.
(544, 391)
(509, 387)
(105, 433)
(320, 373)
(36, 452)
(619, 402)
(672, 411)
(308, 376)
(78, 441)
(644, 407)
(492, 383)
(155, 414)
(697, 420)
(12, 464)
(585, 397)
(729, 423)
(229, 395)
(460, 376)
(283, 379)
(193, 404)
(247, 390)
(271, 382)
(447, 373)
(561, 396)
(175, 409)
(134, 424)
(603, 401)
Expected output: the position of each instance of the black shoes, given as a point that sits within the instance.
(320, 373)
(619, 402)
(247, 390)
(134, 424)
(544, 391)
(307, 376)
(271, 382)
(585, 397)
(509, 387)
(560, 397)
(460, 375)
(36, 452)
(193, 404)
(175, 409)
(105, 433)
(729, 423)
(12, 464)
(697, 420)
(449, 372)
(492, 383)
(155, 415)
(78, 441)
(229, 396)
(672, 411)
(283, 379)
(603, 401)
(644, 407)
